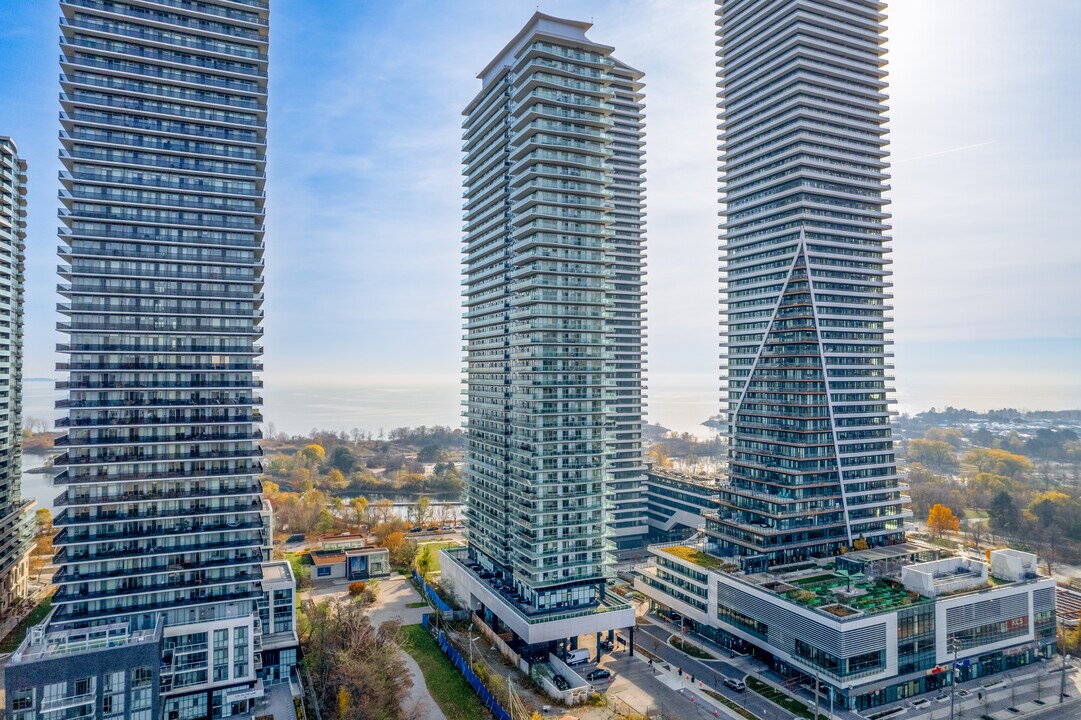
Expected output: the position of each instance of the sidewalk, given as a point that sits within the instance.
(671, 680)
(1000, 692)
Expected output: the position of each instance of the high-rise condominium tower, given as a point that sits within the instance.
(553, 255)
(161, 527)
(16, 535)
(806, 277)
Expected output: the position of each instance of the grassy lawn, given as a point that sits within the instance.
(418, 604)
(739, 709)
(434, 548)
(778, 698)
(11, 642)
(447, 686)
(691, 649)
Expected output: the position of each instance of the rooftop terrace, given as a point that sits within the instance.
(836, 587)
(840, 595)
(691, 554)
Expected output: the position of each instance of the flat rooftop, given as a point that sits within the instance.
(327, 557)
(277, 571)
(40, 645)
(822, 585)
(890, 552)
(693, 554)
(700, 480)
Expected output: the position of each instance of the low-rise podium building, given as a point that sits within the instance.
(871, 636)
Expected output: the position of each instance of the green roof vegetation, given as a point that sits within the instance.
(695, 556)
(877, 595)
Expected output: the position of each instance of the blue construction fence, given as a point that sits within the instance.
(480, 688)
(432, 595)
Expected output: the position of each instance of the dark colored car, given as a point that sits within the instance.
(599, 674)
(560, 682)
(607, 646)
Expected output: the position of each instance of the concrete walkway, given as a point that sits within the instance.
(420, 703)
(393, 600)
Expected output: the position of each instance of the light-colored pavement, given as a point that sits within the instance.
(653, 637)
(651, 691)
(394, 596)
(278, 703)
(1032, 690)
(420, 703)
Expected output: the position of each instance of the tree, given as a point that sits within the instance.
(941, 520)
(359, 505)
(860, 544)
(383, 509)
(1049, 508)
(421, 508)
(325, 523)
(335, 504)
(975, 529)
(999, 462)
(312, 454)
(344, 652)
(424, 561)
(394, 540)
(402, 552)
(445, 512)
(659, 455)
(948, 435)
(334, 480)
(429, 453)
(935, 454)
(1003, 513)
(343, 459)
(43, 521)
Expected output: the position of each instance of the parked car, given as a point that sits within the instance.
(577, 657)
(561, 682)
(736, 685)
(607, 646)
(599, 674)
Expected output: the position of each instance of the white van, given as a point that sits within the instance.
(577, 657)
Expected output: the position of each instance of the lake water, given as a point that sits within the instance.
(38, 486)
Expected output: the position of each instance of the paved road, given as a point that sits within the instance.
(635, 686)
(710, 673)
(1018, 689)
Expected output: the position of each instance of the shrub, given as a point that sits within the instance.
(357, 588)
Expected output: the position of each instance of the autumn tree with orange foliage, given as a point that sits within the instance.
(942, 520)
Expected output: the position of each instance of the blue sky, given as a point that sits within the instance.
(364, 197)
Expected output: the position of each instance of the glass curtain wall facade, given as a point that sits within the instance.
(16, 533)
(553, 274)
(163, 141)
(627, 311)
(805, 280)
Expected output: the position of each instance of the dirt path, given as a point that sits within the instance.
(419, 698)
